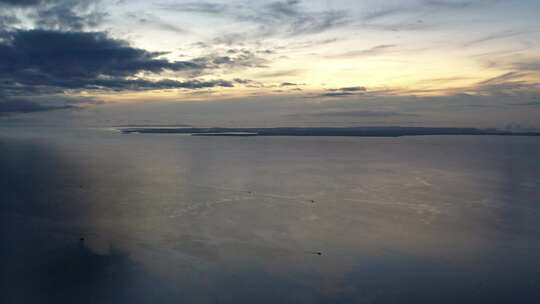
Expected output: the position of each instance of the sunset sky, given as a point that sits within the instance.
(72, 53)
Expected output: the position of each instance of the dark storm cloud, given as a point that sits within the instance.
(37, 65)
(278, 17)
(61, 54)
(75, 59)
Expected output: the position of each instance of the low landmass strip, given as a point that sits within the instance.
(343, 131)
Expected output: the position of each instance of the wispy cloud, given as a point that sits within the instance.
(344, 92)
(373, 51)
(146, 19)
(231, 60)
(422, 6)
(288, 17)
(411, 13)
(527, 65)
(350, 89)
(280, 73)
(198, 7)
(510, 83)
(495, 36)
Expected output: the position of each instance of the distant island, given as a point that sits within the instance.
(338, 131)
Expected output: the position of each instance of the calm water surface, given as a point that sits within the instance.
(178, 219)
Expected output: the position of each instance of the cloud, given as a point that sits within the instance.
(360, 113)
(59, 14)
(344, 92)
(457, 4)
(146, 19)
(7, 21)
(410, 12)
(70, 15)
(501, 78)
(231, 60)
(520, 74)
(432, 6)
(280, 73)
(197, 7)
(507, 84)
(415, 25)
(529, 104)
(43, 54)
(26, 106)
(248, 83)
(495, 36)
(288, 17)
(374, 15)
(288, 84)
(47, 62)
(121, 84)
(352, 89)
(530, 65)
(21, 2)
(336, 94)
(373, 51)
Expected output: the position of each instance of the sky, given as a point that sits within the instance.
(461, 62)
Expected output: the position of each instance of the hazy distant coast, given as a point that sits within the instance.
(344, 131)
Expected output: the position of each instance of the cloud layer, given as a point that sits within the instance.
(288, 18)
(332, 51)
(58, 56)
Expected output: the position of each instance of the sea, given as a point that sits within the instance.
(91, 215)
